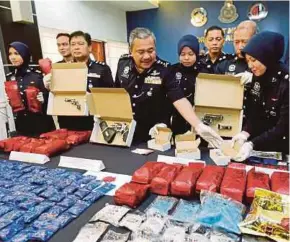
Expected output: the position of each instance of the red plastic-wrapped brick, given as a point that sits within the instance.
(235, 165)
(210, 179)
(280, 182)
(160, 184)
(32, 145)
(14, 144)
(256, 180)
(184, 184)
(56, 134)
(52, 147)
(145, 173)
(13, 93)
(45, 65)
(131, 194)
(33, 104)
(78, 137)
(234, 183)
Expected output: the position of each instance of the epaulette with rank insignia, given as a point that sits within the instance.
(125, 56)
(162, 62)
(100, 63)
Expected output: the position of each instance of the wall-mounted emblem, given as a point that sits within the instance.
(257, 12)
(228, 13)
(198, 17)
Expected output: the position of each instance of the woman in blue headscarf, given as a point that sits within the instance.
(29, 123)
(267, 126)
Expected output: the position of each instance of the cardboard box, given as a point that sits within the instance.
(113, 106)
(227, 150)
(219, 102)
(162, 140)
(68, 90)
(219, 158)
(186, 146)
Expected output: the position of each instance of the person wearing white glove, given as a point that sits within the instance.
(153, 132)
(209, 135)
(47, 81)
(240, 138)
(40, 97)
(246, 77)
(244, 152)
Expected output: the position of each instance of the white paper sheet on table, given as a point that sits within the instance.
(173, 159)
(81, 163)
(28, 157)
(120, 179)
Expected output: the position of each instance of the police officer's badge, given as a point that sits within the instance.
(126, 71)
(257, 86)
(232, 67)
(178, 75)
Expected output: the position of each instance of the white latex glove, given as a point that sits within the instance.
(47, 81)
(153, 131)
(245, 152)
(209, 135)
(40, 97)
(246, 77)
(240, 138)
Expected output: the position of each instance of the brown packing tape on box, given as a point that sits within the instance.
(164, 135)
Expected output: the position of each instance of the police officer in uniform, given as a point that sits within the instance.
(237, 65)
(99, 75)
(214, 41)
(184, 73)
(28, 123)
(267, 126)
(144, 76)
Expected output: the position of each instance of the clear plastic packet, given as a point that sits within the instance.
(12, 229)
(152, 227)
(111, 214)
(132, 221)
(268, 216)
(91, 232)
(162, 205)
(111, 236)
(78, 208)
(220, 212)
(186, 211)
(174, 232)
(216, 236)
(68, 201)
(81, 193)
(195, 237)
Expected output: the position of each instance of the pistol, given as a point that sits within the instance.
(108, 132)
(73, 102)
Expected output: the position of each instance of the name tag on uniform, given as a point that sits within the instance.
(94, 75)
(153, 80)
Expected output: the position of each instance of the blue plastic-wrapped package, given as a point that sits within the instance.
(220, 212)
(78, 208)
(161, 205)
(35, 212)
(93, 196)
(71, 188)
(81, 192)
(12, 229)
(68, 201)
(93, 185)
(186, 211)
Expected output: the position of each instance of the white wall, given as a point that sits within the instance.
(102, 20)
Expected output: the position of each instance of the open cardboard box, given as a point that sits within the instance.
(68, 90)
(186, 146)
(113, 106)
(223, 156)
(219, 102)
(162, 140)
